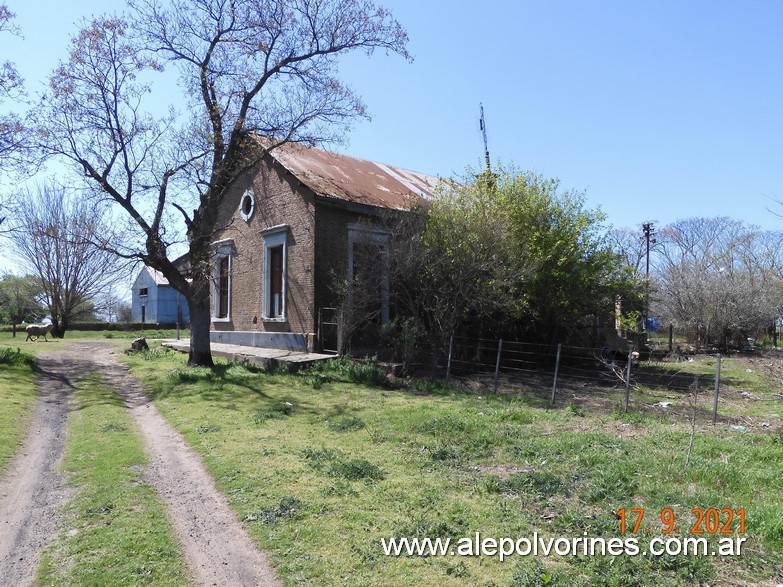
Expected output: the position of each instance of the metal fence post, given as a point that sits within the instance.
(557, 368)
(628, 379)
(497, 365)
(717, 391)
(448, 364)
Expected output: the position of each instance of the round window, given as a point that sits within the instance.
(247, 205)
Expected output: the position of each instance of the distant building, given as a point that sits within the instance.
(154, 301)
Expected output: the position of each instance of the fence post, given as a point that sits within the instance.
(448, 364)
(497, 365)
(557, 368)
(628, 379)
(717, 391)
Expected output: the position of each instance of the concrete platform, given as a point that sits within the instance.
(261, 357)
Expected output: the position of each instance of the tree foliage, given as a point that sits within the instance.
(65, 242)
(20, 299)
(515, 257)
(246, 69)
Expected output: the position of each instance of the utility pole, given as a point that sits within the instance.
(649, 231)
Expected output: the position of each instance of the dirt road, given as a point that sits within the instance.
(216, 546)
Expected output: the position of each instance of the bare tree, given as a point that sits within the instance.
(248, 68)
(719, 278)
(65, 242)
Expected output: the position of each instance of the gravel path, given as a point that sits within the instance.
(216, 546)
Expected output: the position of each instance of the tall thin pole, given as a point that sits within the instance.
(628, 379)
(448, 364)
(717, 391)
(557, 368)
(648, 232)
(497, 365)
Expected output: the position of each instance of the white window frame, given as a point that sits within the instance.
(246, 216)
(381, 237)
(274, 237)
(222, 250)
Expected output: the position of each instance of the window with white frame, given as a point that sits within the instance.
(368, 271)
(222, 280)
(275, 272)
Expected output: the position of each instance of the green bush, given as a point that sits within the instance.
(9, 356)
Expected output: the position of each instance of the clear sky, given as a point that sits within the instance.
(657, 110)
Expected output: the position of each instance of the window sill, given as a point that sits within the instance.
(228, 319)
(278, 320)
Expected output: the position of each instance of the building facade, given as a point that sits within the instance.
(302, 220)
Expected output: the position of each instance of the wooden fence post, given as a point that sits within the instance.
(717, 391)
(557, 368)
(628, 379)
(448, 364)
(497, 365)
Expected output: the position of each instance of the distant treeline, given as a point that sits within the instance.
(108, 326)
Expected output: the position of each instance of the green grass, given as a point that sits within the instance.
(18, 396)
(321, 468)
(115, 530)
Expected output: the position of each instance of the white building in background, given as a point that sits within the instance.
(154, 301)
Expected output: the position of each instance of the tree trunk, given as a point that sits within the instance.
(200, 320)
(58, 328)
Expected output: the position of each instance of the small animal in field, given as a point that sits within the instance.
(36, 330)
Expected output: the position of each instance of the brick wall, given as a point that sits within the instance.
(279, 199)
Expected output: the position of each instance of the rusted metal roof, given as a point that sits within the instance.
(340, 177)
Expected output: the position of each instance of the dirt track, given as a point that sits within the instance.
(217, 549)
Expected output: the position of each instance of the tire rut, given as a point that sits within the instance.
(32, 490)
(217, 548)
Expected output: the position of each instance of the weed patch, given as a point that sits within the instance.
(345, 423)
(286, 509)
(540, 483)
(279, 411)
(334, 463)
(8, 356)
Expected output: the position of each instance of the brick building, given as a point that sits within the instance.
(292, 226)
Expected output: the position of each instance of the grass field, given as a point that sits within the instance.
(115, 529)
(7, 338)
(17, 398)
(323, 465)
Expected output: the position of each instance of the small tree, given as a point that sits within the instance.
(20, 300)
(65, 242)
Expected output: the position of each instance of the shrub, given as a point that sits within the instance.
(17, 357)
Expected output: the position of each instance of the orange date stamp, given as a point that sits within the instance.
(703, 521)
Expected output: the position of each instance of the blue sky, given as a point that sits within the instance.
(656, 110)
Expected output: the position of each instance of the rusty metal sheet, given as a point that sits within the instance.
(355, 180)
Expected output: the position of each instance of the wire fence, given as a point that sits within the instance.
(567, 372)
